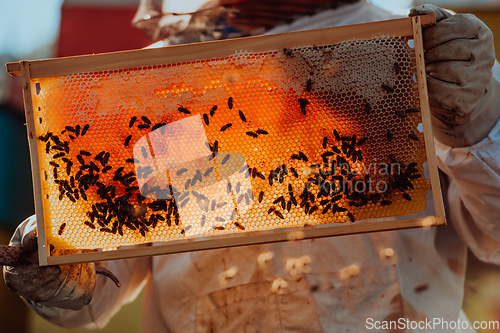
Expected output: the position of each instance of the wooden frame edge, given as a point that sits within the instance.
(243, 239)
(214, 49)
(43, 251)
(426, 121)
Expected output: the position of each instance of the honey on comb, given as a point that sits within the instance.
(238, 144)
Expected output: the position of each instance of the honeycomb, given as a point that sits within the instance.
(254, 141)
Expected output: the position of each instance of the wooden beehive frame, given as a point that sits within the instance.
(410, 27)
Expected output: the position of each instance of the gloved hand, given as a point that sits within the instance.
(68, 287)
(459, 57)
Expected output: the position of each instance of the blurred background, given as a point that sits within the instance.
(37, 29)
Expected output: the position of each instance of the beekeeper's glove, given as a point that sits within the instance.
(67, 287)
(463, 94)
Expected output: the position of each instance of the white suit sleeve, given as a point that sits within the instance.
(473, 193)
(107, 298)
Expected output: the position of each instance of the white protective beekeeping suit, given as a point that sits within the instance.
(344, 280)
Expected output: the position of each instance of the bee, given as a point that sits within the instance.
(225, 159)
(70, 129)
(212, 110)
(396, 68)
(45, 137)
(326, 209)
(230, 103)
(218, 228)
(261, 196)
(77, 130)
(181, 171)
(407, 196)
(203, 219)
(387, 88)
(351, 216)
(70, 197)
(183, 110)
(303, 103)
(184, 203)
(68, 168)
(252, 134)
(254, 172)
(242, 116)
(239, 226)
(296, 157)
(261, 131)
(413, 137)
(309, 85)
(287, 52)
(368, 108)
(85, 129)
(88, 224)
(337, 135)
(208, 171)
(205, 119)
(127, 140)
(144, 152)
(219, 219)
(385, 202)
(278, 200)
(61, 229)
(156, 126)
(389, 135)
(238, 186)
(146, 120)
(106, 169)
(303, 156)
(225, 127)
(278, 214)
(233, 214)
(325, 142)
(99, 156)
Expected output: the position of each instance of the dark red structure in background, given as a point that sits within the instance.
(87, 29)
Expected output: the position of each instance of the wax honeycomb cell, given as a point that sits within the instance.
(253, 141)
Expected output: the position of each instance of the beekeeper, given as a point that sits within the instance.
(336, 284)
